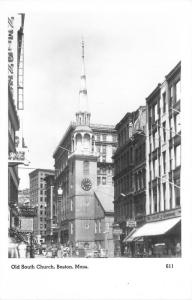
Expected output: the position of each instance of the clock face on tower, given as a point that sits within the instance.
(86, 184)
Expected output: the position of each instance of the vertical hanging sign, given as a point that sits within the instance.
(10, 53)
(20, 65)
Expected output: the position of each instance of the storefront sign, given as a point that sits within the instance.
(131, 223)
(10, 53)
(26, 224)
(164, 215)
(117, 231)
(18, 157)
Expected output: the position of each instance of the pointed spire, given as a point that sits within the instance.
(83, 100)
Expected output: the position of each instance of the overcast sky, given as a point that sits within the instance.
(127, 53)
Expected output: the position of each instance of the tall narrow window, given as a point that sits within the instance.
(164, 162)
(164, 131)
(155, 112)
(177, 123)
(98, 137)
(104, 137)
(86, 167)
(155, 198)
(164, 102)
(99, 226)
(171, 96)
(104, 149)
(178, 91)
(178, 156)
(103, 180)
(95, 227)
(71, 228)
(177, 191)
(170, 194)
(164, 195)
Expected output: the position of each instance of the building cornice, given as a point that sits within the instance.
(173, 72)
(154, 92)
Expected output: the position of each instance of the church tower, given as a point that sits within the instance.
(82, 173)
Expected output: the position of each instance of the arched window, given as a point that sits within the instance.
(87, 141)
(78, 140)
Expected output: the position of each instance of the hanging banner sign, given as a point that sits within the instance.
(26, 224)
(10, 53)
(131, 223)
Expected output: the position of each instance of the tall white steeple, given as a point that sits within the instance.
(82, 135)
(83, 115)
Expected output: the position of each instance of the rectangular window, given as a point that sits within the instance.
(104, 149)
(171, 96)
(164, 102)
(164, 131)
(177, 191)
(150, 199)
(99, 226)
(98, 149)
(104, 171)
(164, 195)
(178, 91)
(177, 123)
(114, 138)
(103, 180)
(155, 112)
(71, 228)
(71, 204)
(98, 180)
(98, 137)
(164, 162)
(155, 168)
(104, 137)
(155, 198)
(178, 156)
(170, 195)
(104, 158)
(95, 227)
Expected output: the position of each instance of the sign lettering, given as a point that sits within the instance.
(10, 53)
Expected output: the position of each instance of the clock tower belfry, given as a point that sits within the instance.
(82, 173)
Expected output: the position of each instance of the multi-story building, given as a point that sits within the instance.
(16, 154)
(129, 176)
(13, 178)
(51, 211)
(38, 200)
(163, 153)
(84, 165)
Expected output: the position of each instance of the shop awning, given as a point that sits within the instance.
(155, 228)
(129, 238)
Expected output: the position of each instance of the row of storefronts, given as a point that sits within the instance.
(147, 175)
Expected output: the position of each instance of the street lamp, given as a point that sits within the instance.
(60, 191)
